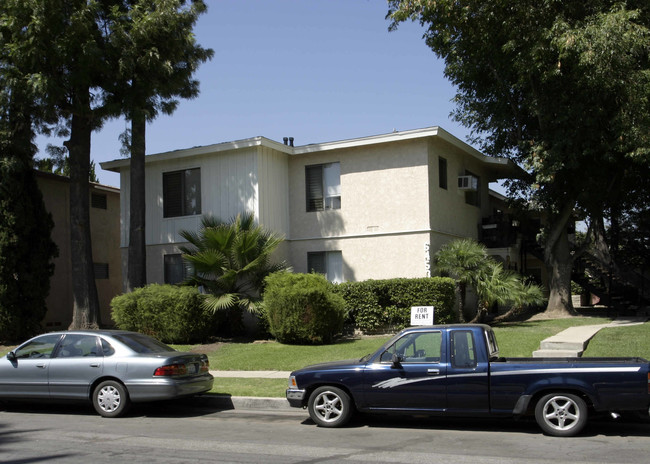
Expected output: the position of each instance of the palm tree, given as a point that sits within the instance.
(463, 260)
(496, 285)
(230, 261)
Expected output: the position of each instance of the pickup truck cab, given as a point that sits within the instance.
(456, 370)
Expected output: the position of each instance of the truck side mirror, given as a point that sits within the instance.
(397, 360)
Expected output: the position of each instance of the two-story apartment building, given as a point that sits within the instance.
(105, 233)
(367, 208)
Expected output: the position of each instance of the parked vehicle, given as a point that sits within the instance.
(109, 368)
(456, 370)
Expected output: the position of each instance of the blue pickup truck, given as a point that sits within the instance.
(456, 370)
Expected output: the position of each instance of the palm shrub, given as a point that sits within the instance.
(468, 261)
(170, 313)
(464, 260)
(302, 308)
(229, 261)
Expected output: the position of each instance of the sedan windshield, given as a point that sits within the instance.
(142, 344)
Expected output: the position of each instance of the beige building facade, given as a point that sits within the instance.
(367, 208)
(105, 236)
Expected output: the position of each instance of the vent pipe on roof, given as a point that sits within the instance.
(291, 141)
(286, 140)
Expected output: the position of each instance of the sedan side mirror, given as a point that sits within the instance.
(11, 356)
(397, 360)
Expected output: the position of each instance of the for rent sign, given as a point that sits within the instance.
(422, 315)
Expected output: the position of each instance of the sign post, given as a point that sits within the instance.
(422, 315)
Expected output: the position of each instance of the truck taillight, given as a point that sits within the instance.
(170, 370)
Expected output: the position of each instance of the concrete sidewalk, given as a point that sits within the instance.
(571, 343)
(252, 374)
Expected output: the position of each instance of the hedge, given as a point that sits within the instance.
(169, 313)
(302, 308)
(376, 305)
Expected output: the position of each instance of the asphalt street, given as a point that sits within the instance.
(179, 432)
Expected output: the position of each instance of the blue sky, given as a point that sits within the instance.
(315, 70)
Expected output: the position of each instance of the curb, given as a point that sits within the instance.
(227, 402)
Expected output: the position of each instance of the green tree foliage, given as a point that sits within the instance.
(89, 61)
(26, 249)
(464, 260)
(155, 55)
(230, 261)
(560, 87)
(170, 313)
(302, 308)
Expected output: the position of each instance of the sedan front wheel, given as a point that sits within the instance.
(110, 399)
(330, 407)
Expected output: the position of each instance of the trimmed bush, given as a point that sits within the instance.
(169, 313)
(376, 305)
(302, 308)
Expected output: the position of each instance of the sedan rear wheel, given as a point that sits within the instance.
(110, 399)
(330, 407)
(561, 414)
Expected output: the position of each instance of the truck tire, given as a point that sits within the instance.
(330, 407)
(561, 414)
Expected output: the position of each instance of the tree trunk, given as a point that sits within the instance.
(137, 259)
(462, 293)
(559, 264)
(86, 313)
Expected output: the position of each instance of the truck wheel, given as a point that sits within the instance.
(110, 399)
(330, 407)
(561, 414)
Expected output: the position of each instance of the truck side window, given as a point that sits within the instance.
(463, 352)
(421, 347)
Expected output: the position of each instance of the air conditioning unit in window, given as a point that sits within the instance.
(467, 183)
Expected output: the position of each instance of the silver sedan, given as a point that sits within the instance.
(108, 367)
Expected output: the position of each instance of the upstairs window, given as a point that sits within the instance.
(442, 173)
(328, 263)
(182, 193)
(323, 183)
(101, 270)
(473, 197)
(98, 200)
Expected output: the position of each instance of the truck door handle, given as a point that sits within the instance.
(433, 371)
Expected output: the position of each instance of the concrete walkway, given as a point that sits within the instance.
(571, 343)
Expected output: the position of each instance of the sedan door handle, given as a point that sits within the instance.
(41, 366)
(433, 371)
(94, 364)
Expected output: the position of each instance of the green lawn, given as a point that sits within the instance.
(621, 342)
(278, 357)
(520, 339)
